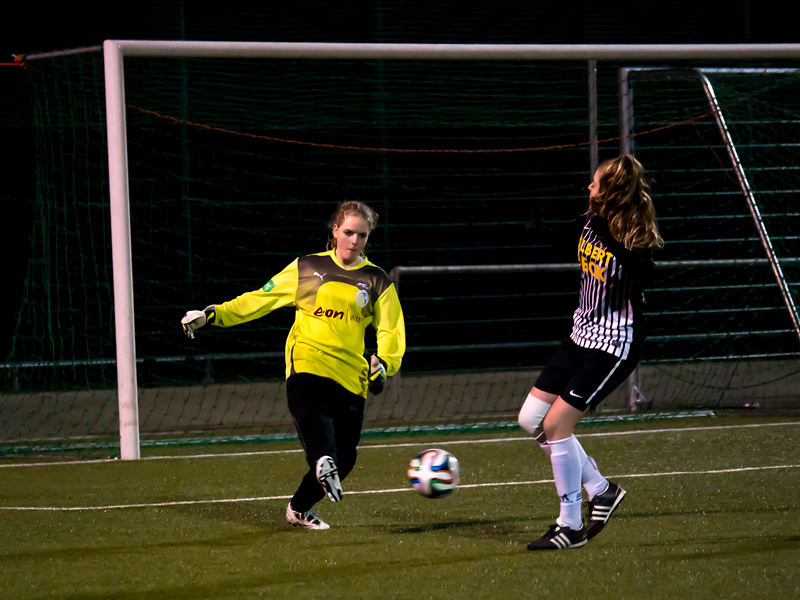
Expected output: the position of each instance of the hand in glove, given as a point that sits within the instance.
(377, 375)
(195, 319)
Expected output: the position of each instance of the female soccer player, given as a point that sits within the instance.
(336, 295)
(615, 241)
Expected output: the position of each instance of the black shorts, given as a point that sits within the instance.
(582, 377)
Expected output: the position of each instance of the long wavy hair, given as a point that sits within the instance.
(624, 199)
(344, 210)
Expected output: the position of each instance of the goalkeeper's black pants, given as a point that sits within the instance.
(328, 419)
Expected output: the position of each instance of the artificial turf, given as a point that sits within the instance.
(711, 512)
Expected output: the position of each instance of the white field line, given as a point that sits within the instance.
(386, 491)
(404, 445)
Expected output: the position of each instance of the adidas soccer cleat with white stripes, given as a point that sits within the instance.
(560, 537)
(601, 507)
(328, 477)
(309, 519)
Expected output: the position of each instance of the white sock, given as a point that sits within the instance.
(564, 456)
(591, 478)
(530, 419)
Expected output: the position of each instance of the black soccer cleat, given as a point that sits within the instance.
(601, 507)
(560, 537)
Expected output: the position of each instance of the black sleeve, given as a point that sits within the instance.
(639, 261)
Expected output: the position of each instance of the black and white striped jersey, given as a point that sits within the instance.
(609, 316)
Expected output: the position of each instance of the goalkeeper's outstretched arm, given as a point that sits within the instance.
(278, 292)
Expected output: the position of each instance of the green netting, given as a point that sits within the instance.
(236, 165)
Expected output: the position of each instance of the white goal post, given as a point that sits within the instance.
(115, 51)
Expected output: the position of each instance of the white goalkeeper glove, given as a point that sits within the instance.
(195, 319)
(377, 375)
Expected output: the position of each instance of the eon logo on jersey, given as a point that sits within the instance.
(330, 313)
(336, 314)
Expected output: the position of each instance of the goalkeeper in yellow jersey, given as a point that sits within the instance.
(335, 295)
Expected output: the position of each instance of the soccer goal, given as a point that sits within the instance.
(222, 162)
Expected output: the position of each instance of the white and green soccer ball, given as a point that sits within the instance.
(434, 473)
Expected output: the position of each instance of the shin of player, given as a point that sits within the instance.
(615, 238)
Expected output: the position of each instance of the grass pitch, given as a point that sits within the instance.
(711, 512)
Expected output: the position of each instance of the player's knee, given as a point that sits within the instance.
(554, 431)
(532, 414)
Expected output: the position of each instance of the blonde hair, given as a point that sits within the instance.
(344, 210)
(624, 199)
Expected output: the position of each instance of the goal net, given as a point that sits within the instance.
(235, 165)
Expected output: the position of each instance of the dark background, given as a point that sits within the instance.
(86, 23)
(29, 30)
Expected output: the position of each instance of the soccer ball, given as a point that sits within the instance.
(434, 473)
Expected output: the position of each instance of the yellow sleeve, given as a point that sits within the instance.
(278, 292)
(391, 327)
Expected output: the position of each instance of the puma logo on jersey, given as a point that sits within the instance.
(320, 276)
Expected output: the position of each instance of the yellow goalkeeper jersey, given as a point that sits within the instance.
(333, 307)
